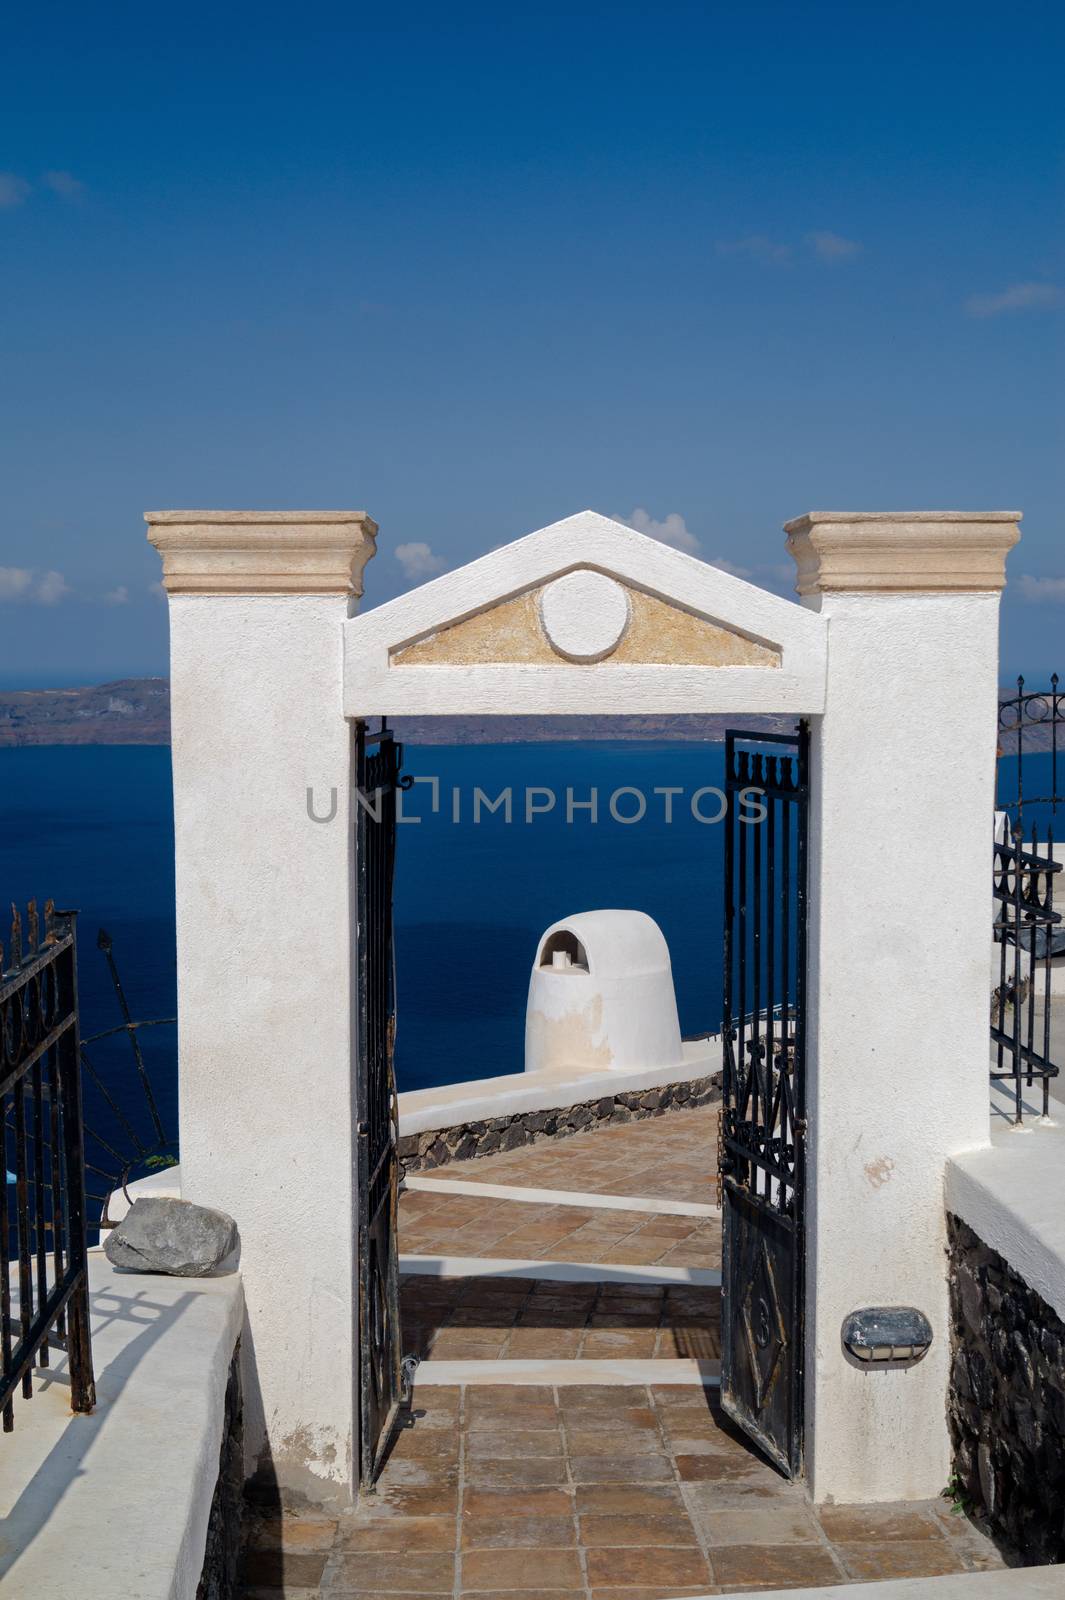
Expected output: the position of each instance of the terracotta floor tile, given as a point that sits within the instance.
(517, 1503)
(398, 1534)
(624, 1319)
(419, 1443)
(514, 1533)
(629, 1500)
(925, 1558)
(541, 1472)
(621, 1469)
(292, 1533)
(636, 1252)
(676, 1593)
(877, 1524)
(281, 1568)
(602, 1397)
(644, 1566)
(754, 1524)
(609, 1419)
(606, 1443)
(629, 1344)
(500, 1445)
(523, 1594)
(511, 1569)
(373, 1573)
(414, 1500)
(617, 1531)
(774, 1566)
(459, 1344)
(724, 1468)
(544, 1344)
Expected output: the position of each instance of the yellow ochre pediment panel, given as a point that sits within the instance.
(536, 627)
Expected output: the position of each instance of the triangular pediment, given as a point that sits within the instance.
(586, 600)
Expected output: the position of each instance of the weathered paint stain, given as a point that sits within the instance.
(571, 1040)
(879, 1172)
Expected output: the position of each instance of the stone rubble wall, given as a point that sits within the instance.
(218, 1580)
(1007, 1401)
(420, 1152)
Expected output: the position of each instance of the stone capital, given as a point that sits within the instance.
(262, 552)
(897, 552)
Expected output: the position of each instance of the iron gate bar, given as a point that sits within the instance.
(762, 1144)
(1024, 870)
(381, 1383)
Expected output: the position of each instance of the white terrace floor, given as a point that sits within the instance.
(566, 1441)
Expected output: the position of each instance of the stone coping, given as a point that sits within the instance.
(893, 552)
(262, 552)
(1012, 1195)
(118, 1503)
(482, 1099)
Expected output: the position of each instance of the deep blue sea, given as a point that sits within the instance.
(92, 827)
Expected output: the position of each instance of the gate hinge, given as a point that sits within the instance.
(801, 1125)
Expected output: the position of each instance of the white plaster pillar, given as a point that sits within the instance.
(264, 945)
(900, 918)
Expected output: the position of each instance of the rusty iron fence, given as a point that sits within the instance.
(1029, 930)
(44, 1288)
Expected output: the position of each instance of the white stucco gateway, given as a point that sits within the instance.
(269, 666)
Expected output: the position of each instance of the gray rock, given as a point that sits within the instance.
(171, 1236)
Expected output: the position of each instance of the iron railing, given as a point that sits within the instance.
(126, 1136)
(44, 1285)
(1026, 1034)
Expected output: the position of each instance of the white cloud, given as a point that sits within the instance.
(1039, 590)
(672, 530)
(418, 561)
(158, 589)
(117, 597)
(13, 189)
(21, 583)
(14, 582)
(65, 185)
(833, 246)
(759, 246)
(1018, 297)
(50, 589)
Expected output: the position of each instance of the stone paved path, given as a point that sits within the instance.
(591, 1494)
(478, 1319)
(583, 1492)
(465, 1225)
(672, 1157)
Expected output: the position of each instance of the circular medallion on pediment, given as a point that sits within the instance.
(584, 615)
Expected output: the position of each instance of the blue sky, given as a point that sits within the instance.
(475, 267)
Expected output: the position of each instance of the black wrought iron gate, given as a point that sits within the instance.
(378, 762)
(763, 1123)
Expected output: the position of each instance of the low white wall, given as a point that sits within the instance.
(1013, 1197)
(118, 1503)
(479, 1099)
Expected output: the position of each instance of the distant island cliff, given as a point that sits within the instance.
(137, 711)
(129, 711)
